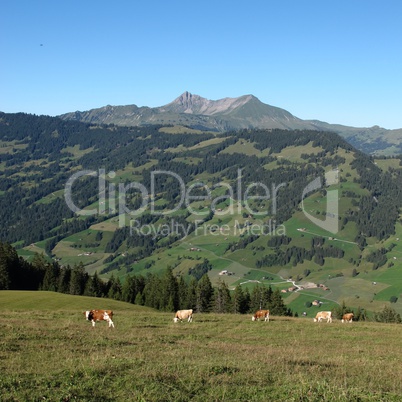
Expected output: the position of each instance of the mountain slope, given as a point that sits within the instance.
(193, 110)
(233, 114)
(239, 210)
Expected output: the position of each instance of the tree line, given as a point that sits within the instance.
(165, 292)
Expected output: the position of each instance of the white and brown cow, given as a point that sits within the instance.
(100, 315)
(348, 317)
(261, 314)
(323, 315)
(183, 315)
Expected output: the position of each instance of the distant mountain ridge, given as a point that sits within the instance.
(244, 112)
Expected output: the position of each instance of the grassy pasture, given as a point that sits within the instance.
(11, 147)
(384, 164)
(245, 147)
(77, 151)
(49, 352)
(200, 145)
(293, 153)
(182, 130)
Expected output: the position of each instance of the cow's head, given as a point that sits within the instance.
(253, 318)
(175, 319)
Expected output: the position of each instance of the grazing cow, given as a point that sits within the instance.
(99, 315)
(261, 314)
(348, 317)
(183, 315)
(323, 315)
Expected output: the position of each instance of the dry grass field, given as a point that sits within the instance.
(48, 352)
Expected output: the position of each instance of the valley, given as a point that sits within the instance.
(165, 196)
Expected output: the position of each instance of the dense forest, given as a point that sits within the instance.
(40, 164)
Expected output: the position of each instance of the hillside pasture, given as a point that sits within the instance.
(147, 357)
(246, 148)
(294, 153)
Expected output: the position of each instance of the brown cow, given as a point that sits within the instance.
(348, 317)
(323, 315)
(99, 315)
(261, 314)
(183, 315)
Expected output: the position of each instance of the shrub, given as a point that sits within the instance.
(388, 315)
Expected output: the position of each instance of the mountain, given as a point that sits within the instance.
(244, 112)
(195, 111)
(249, 204)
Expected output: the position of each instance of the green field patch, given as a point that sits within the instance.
(351, 186)
(38, 248)
(238, 271)
(11, 147)
(245, 147)
(385, 164)
(217, 249)
(177, 129)
(109, 225)
(45, 301)
(392, 277)
(297, 303)
(77, 151)
(148, 165)
(271, 165)
(200, 145)
(301, 226)
(293, 153)
(51, 197)
(260, 275)
(189, 160)
(386, 294)
(69, 255)
(26, 254)
(355, 291)
(127, 174)
(245, 257)
(207, 143)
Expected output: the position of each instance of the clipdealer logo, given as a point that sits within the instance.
(331, 221)
(237, 197)
(112, 198)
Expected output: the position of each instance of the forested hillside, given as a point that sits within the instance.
(227, 205)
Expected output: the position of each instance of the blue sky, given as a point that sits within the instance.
(338, 61)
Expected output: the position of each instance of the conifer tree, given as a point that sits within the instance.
(191, 296)
(260, 298)
(239, 300)
(182, 290)
(50, 280)
(128, 290)
(204, 294)
(170, 291)
(277, 305)
(152, 291)
(63, 285)
(139, 299)
(114, 286)
(78, 279)
(222, 300)
(5, 266)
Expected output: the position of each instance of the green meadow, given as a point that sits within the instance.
(49, 352)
